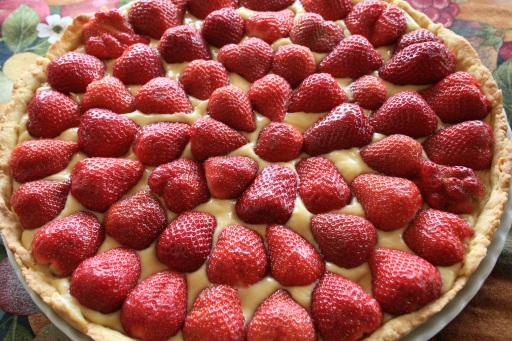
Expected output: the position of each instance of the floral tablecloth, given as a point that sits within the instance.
(28, 27)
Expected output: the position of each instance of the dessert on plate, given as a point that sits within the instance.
(287, 169)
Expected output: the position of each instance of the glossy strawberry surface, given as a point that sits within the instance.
(153, 17)
(162, 95)
(279, 142)
(312, 31)
(228, 176)
(270, 96)
(270, 26)
(222, 27)
(232, 106)
(108, 93)
(202, 77)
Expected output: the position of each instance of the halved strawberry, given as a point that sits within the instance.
(312, 31)
(102, 282)
(317, 93)
(279, 317)
(153, 17)
(378, 21)
(183, 44)
(157, 307)
(353, 57)
(322, 188)
(50, 113)
(209, 137)
(402, 282)
(162, 95)
(181, 183)
(328, 9)
(346, 126)
(136, 221)
(137, 65)
(279, 142)
(414, 37)
(266, 5)
(239, 258)
(36, 159)
(342, 310)
(161, 142)
(467, 144)
(454, 189)
(417, 64)
(99, 182)
(345, 240)
(108, 93)
(270, 26)
(293, 260)
(388, 202)
(232, 106)
(251, 59)
(201, 77)
(405, 113)
(107, 34)
(270, 96)
(68, 241)
(228, 176)
(222, 27)
(294, 63)
(396, 155)
(438, 237)
(39, 202)
(73, 71)
(216, 315)
(457, 98)
(270, 198)
(369, 92)
(104, 133)
(201, 8)
(186, 242)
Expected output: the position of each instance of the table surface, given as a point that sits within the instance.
(28, 27)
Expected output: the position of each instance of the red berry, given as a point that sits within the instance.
(232, 106)
(137, 65)
(202, 77)
(317, 93)
(312, 31)
(279, 142)
(229, 176)
(222, 27)
(294, 63)
(153, 17)
(108, 93)
(328, 9)
(267, 5)
(202, 8)
(162, 95)
(369, 92)
(414, 37)
(270, 96)
(270, 26)
(183, 44)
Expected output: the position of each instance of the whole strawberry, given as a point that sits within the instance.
(270, 26)
(99, 182)
(186, 242)
(293, 260)
(102, 282)
(153, 17)
(396, 155)
(279, 317)
(229, 176)
(216, 315)
(183, 44)
(402, 282)
(317, 93)
(345, 240)
(353, 57)
(108, 93)
(266, 5)
(279, 142)
(161, 142)
(156, 308)
(342, 310)
(232, 106)
(312, 31)
(369, 92)
(294, 63)
(270, 96)
(328, 9)
(202, 77)
(73, 71)
(104, 133)
(36, 159)
(346, 126)
(39, 202)
(467, 144)
(239, 257)
(322, 188)
(162, 95)
(455, 189)
(136, 221)
(270, 198)
(181, 184)
(66, 242)
(405, 113)
(201, 8)
(388, 202)
(421, 35)
(222, 27)
(137, 65)
(438, 237)
(50, 113)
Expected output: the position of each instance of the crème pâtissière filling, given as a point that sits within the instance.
(311, 121)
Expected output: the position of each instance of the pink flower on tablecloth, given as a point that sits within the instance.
(87, 6)
(54, 28)
(439, 11)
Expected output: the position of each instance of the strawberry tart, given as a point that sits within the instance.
(253, 170)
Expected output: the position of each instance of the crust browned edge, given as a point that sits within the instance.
(486, 225)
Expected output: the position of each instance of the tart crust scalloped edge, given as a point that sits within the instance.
(487, 223)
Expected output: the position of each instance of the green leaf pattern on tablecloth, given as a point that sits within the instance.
(503, 76)
(19, 28)
(17, 332)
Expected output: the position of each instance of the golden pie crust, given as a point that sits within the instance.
(488, 220)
